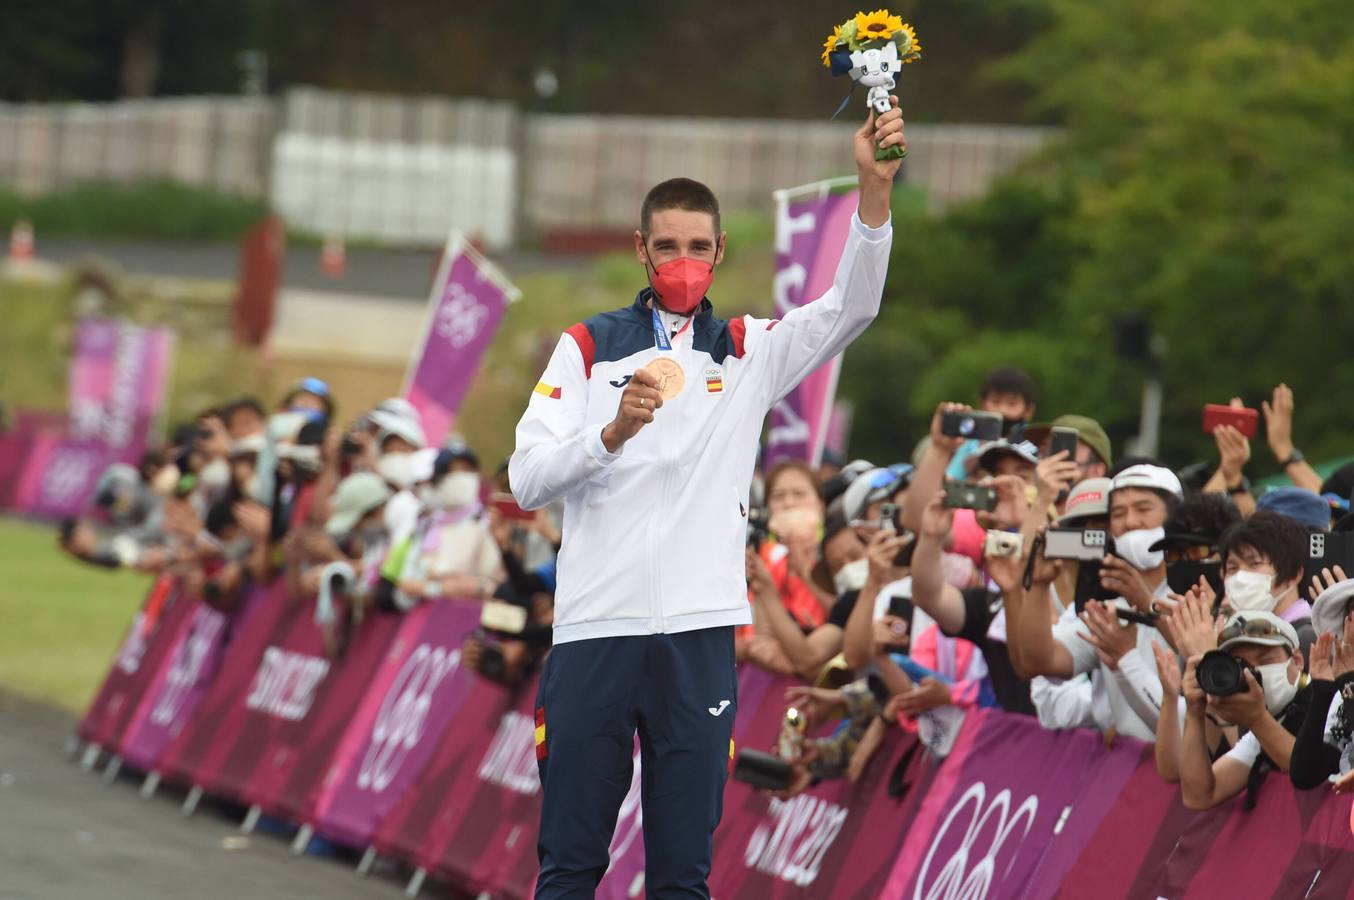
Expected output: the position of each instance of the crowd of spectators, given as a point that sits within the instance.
(1063, 583)
(364, 517)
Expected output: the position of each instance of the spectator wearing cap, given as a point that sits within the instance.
(357, 523)
(451, 553)
(1263, 561)
(1093, 457)
(1127, 690)
(1068, 703)
(1270, 709)
(1190, 545)
(1004, 457)
(1010, 393)
(1308, 508)
(396, 443)
(1325, 742)
(311, 397)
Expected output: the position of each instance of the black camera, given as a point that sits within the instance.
(1221, 674)
(762, 770)
(961, 495)
(759, 526)
(349, 447)
(974, 424)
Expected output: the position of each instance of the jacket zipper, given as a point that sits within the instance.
(655, 548)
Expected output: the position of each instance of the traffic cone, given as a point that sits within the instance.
(333, 257)
(21, 241)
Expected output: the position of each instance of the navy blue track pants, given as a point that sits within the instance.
(679, 693)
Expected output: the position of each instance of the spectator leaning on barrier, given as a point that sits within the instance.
(1127, 693)
(1263, 561)
(1260, 690)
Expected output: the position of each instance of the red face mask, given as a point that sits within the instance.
(681, 283)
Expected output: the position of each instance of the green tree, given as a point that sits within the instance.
(1206, 179)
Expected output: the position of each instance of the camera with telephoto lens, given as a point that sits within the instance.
(1221, 674)
(973, 424)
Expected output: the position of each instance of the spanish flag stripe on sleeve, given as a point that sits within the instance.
(540, 733)
(548, 390)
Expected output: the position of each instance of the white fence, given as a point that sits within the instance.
(405, 169)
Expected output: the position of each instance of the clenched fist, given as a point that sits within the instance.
(639, 401)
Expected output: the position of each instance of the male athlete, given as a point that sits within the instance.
(646, 425)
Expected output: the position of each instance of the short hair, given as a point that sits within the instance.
(792, 465)
(1204, 515)
(678, 193)
(1008, 380)
(242, 404)
(1281, 540)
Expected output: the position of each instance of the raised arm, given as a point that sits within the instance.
(1034, 648)
(929, 476)
(810, 335)
(858, 641)
(930, 592)
(1279, 432)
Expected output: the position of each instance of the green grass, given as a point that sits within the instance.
(60, 621)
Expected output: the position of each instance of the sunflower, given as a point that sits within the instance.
(877, 26)
(908, 47)
(831, 44)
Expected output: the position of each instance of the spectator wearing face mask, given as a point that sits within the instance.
(795, 518)
(451, 553)
(396, 444)
(783, 644)
(243, 417)
(1141, 499)
(1010, 393)
(1270, 708)
(1263, 559)
(1325, 742)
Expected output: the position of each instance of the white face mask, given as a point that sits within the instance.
(164, 481)
(455, 490)
(1279, 691)
(1249, 591)
(1132, 547)
(396, 468)
(851, 577)
(215, 475)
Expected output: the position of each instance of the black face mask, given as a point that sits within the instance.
(1185, 574)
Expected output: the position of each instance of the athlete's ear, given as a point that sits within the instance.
(640, 253)
(719, 250)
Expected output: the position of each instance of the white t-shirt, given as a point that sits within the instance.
(1106, 687)
(1246, 751)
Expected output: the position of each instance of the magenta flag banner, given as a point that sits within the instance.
(415, 695)
(811, 229)
(465, 307)
(118, 375)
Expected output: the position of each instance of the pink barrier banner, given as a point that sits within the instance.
(415, 696)
(173, 696)
(811, 230)
(306, 730)
(59, 475)
(198, 753)
(465, 307)
(144, 652)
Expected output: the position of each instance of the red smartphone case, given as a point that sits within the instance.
(1244, 419)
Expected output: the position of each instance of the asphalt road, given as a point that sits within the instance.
(67, 835)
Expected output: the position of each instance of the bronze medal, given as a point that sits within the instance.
(668, 372)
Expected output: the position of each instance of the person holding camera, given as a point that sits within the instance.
(646, 423)
(1132, 580)
(1254, 681)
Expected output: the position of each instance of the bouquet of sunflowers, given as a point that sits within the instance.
(872, 48)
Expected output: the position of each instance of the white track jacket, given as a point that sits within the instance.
(654, 535)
